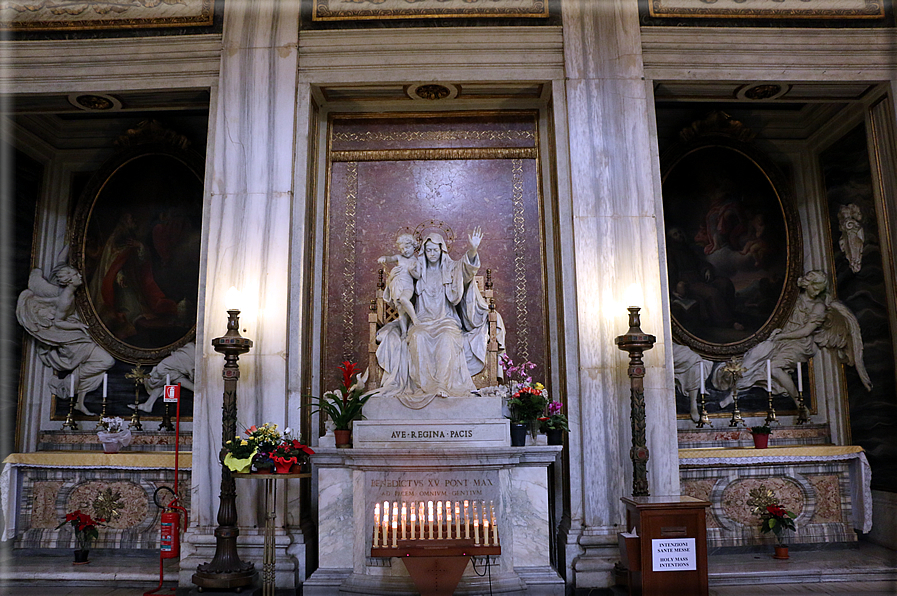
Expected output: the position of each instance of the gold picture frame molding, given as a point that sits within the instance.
(354, 10)
(760, 9)
(90, 15)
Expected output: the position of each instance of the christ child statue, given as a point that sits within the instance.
(400, 283)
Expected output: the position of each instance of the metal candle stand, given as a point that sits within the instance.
(69, 418)
(771, 412)
(436, 554)
(803, 412)
(735, 370)
(705, 419)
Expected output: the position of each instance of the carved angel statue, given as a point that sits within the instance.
(817, 322)
(850, 220)
(177, 367)
(687, 367)
(47, 311)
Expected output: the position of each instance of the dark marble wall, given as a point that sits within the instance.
(370, 201)
(873, 414)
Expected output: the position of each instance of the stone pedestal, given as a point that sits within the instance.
(513, 479)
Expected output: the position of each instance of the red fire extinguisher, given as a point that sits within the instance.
(170, 524)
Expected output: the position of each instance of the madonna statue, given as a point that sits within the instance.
(447, 345)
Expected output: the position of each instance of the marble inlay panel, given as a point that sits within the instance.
(335, 514)
(133, 499)
(736, 495)
(700, 489)
(828, 498)
(527, 512)
(43, 508)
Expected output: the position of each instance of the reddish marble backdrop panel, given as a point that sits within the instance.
(371, 201)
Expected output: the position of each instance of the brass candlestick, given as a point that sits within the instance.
(771, 412)
(166, 419)
(138, 374)
(705, 419)
(636, 342)
(803, 412)
(69, 420)
(735, 371)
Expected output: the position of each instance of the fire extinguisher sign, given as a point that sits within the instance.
(172, 394)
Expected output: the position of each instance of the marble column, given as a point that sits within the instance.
(617, 224)
(246, 244)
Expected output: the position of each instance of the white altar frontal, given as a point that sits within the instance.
(403, 458)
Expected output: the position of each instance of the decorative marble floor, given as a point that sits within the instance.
(865, 571)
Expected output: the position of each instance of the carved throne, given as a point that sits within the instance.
(383, 313)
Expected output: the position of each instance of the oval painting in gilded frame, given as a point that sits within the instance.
(136, 238)
(733, 245)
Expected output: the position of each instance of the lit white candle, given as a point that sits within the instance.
(448, 520)
(476, 525)
(377, 524)
(466, 521)
(404, 514)
(72, 385)
(800, 380)
(485, 532)
(430, 517)
(385, 520)
(769, 376)
(413, 518)
(494, 525)
(457, 519)
(104, 383)
(421, 519)
(439, 520)
(702, 376)
(395, 522)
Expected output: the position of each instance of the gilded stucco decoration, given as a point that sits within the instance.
(49, 15)
(778, 9)
(337, 10)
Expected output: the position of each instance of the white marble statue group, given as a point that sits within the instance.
(439, 340)
(46, 309)
(817, 322)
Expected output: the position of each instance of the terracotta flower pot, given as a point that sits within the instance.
(761, 441)
(343, 438)
(781, 552)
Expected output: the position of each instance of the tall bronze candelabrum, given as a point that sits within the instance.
(636, 342)
(226, 570)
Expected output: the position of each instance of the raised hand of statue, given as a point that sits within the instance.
(474, 238)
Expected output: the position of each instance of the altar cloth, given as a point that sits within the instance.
(860, 471)
(131, 460)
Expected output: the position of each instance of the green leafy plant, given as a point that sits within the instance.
(556, 419)
(773, 517)
(344, 405)
(761, 430)
(84, 526)
(528, 399)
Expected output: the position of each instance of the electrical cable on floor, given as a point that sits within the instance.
(488, 570)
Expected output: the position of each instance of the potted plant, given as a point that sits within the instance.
(113, 434)
(239, 454)
(760, 435)
(773, 517)
(290, 453)
(555, 424)
(85, 529)
(345, 404)
(527, 399)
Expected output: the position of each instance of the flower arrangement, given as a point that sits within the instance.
(113, 434)
(344, 405)
(112, 425)
(84, 526)
(555, 420)
(773, 517)
(239, 454)
(527, 399)
(265, 437)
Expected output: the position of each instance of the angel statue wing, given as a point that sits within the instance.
(840, 331)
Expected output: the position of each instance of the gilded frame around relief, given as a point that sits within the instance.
(136, 240)
(74, 15)
(345, 10)
(733, 245)
(762, 9)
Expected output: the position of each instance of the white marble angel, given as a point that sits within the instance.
(177, 367)
(817, 322)
(47, 311)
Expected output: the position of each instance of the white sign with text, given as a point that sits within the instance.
(674, 554)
